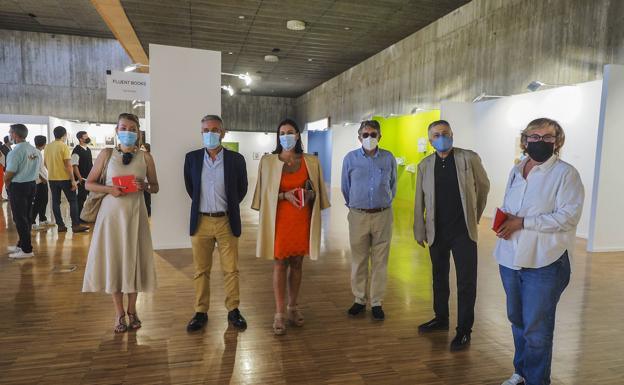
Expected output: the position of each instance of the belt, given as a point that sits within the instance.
(215, 215)
(372, 211)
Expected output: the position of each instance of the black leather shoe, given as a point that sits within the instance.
(378, 313)
(460, 342)
(356, 309)
(198, 321)
(434, 325)
(236, 319)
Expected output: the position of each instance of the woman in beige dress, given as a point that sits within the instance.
(120, 255)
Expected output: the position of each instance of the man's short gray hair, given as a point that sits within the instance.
(371, 124)
(208, 118)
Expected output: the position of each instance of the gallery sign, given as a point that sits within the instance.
(127, 86)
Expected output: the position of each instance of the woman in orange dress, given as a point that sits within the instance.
(289, 227)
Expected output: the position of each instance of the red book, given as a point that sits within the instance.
(499, 219)
(299, 193)
(127, 182)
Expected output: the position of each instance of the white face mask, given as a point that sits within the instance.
(369, 143)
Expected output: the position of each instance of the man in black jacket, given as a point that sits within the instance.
(216, 181)
(82, 162)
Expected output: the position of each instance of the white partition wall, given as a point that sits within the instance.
(495, 126)
(185, 86)
(607, 205)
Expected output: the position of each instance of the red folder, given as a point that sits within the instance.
(499, 219)
(127, 182)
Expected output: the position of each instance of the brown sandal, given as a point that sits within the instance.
(135, 322)
(295, 317)
(279, 324)
(121, 326)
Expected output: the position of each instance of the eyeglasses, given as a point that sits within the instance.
(366, 135)
(536, 138)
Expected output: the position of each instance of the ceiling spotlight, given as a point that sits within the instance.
(483, 96)
(536, 84)
(310, 59)
(246, 90)
(271, 58)
(230, 53)
(229, 89)
(296, 25)
(134, 66)
(347, 28)
(245, 77)
(242, 17)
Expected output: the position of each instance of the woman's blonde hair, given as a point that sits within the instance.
(543, 123)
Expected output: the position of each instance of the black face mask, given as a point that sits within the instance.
(540, 151)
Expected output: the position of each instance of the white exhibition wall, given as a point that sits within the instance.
(493, 127)
(185, 86)
(607, 205)
(345, 139)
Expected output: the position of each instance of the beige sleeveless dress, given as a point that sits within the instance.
(121, 255)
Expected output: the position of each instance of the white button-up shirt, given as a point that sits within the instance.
(212, 198)
(550, 200)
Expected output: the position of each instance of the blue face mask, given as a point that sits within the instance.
(212, 140)
(127, 138)
(288, 142)
(442, 143)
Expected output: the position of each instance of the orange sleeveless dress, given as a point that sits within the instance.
(292, 224)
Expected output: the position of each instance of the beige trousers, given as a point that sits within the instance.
(370, 236)
(209, 231)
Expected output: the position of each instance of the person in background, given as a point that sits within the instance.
(23, 164)
(216, 181)
(290, 221)
(543, 202)
(40, 202)
(369, 184)
(148, 198)
(4, 151)
(61, 179)
(7, 142)
(120, 259)
(82, 162)
(451, 193)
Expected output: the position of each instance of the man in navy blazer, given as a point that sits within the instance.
(216, 182)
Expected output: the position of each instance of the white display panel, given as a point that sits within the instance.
(607, 206)
(185, 86)
(495, 127)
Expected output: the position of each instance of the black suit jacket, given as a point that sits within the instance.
(235, 175)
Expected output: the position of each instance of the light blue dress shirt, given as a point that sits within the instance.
(212, 198)
(369, 182)
(25, 161)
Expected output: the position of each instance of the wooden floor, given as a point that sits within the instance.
(51, 333)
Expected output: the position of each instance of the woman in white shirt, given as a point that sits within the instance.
(543, 200)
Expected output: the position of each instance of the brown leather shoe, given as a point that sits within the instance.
(79, 229)
(62, 229)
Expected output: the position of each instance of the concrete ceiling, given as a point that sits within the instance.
(66, 17)
(339, 33)
(372, 26)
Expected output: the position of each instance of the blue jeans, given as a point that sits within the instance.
(56, 187)
(532, 297)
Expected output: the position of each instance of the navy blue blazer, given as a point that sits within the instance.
(235, 175)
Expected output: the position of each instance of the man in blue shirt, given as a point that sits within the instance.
(22, 169)
(369, 181)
